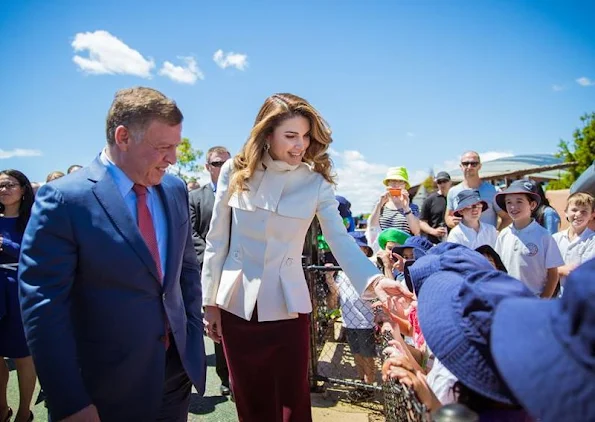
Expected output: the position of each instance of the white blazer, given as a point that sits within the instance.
(255, 242)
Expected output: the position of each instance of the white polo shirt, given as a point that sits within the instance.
(527, 254)
(467, 236)
(580, 250)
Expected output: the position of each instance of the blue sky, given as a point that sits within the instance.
(411, 83)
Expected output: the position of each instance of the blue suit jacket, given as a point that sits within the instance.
(93, 306)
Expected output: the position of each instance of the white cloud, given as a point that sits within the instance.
(109, 55)
(20, 152)
(358, 180)
(225, 60)
(584, 81)
(557, 88)
(183, 74)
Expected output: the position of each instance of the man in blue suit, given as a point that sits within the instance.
(109, 281)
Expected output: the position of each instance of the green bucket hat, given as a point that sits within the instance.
(397, 173)
(392, 235)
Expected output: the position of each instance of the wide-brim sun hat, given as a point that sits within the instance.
(518, 186)
(544, 350)
(419, 244)
(455, 313)
(392, 235)
(466, 198)
(397, 173)
(362, 241)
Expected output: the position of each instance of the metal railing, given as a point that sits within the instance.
(332, 362)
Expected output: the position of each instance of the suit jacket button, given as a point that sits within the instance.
(289, 261)
(162, 339)
(236, 255)
(163, 296)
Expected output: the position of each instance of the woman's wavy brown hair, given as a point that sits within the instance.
(276, 109)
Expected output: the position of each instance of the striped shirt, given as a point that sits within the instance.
(391, 218)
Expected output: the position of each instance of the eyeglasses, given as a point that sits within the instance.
(217, 163)
(470, 163)
(9, 185)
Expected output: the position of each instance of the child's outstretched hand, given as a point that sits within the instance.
(400, 369)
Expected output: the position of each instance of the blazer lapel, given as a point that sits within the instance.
(106, 192)
(169, 204)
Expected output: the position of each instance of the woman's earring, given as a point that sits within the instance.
(267, 147)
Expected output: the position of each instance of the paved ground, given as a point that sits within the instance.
(215, 408)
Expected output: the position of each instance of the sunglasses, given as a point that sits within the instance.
(9, 185)
(441, 182)
(470, 163)
(217, 163)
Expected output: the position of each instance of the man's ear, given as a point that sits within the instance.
(122, 137)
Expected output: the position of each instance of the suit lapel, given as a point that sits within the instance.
(166, 194)
(108, 196)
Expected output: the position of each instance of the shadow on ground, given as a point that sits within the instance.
(204, 405)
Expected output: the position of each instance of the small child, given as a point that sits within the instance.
(471, 232)
(358, 321)
(528, 251)
(577, 243)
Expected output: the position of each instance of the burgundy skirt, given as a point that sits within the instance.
(268, 367)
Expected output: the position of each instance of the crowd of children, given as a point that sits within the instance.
(478, 331)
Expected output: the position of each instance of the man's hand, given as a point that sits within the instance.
(212, 322)
(440, 232)
(88, 414)
(386, 287)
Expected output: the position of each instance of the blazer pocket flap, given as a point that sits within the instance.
(241, 201)
(293, 209)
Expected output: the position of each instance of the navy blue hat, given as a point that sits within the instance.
(544, 350)
(344, 206)
(455, 311)
(466, 198)
(360, 239)
(518, 186)
(420, 246)
(447, 256)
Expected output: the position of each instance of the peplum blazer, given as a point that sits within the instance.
(254, 245)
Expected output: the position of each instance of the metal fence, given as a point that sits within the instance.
(345, 344)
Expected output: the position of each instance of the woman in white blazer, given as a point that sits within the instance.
(254, 291)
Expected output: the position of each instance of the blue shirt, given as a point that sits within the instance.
(154, 203)
(551, 220)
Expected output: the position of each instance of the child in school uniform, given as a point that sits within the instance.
(470, 231)
(528, 251)
(577, 243)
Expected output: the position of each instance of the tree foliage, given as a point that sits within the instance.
(581, 150)
(188, 160)
(429, 184)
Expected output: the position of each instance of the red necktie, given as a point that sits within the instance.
(147, 231)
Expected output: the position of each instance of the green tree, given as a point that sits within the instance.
(581, 151)
(188, 160)
(429, 184)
